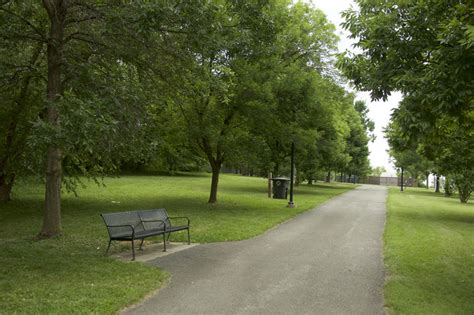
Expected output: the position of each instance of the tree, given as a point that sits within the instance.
(293, 87)
(418, 48)
(424, 50)
(235, 62)
(220, 43)
(377, 171)
(451, 148)
(357, 145)
(92, 116)
(445, 151)
(21, 86)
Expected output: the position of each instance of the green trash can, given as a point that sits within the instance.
(280, 187)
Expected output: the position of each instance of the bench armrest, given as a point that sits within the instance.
(147, 221)
(152, 221)
(189, 221)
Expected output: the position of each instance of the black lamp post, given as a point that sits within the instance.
(401, 184)
(291, 204)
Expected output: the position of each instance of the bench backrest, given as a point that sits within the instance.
(122, 218)
(135, 219)
(155, 214)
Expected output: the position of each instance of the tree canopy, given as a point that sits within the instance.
(90, 87)
(424, 50)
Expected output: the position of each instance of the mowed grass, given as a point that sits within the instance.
(429, 254)
(70, 274)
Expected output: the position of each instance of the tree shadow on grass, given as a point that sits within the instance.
(22, 218)
(437, 216)
(319, 188)
(302, 189)
(242, 189)
(430, 194)
(166, 174)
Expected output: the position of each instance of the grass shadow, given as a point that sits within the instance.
(164, 174)
(301, 189)
(437, 217)
(427, 193)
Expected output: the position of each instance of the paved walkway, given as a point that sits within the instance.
(325, 261)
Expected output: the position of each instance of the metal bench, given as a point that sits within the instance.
(140, 224)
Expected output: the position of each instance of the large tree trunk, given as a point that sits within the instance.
(401, 181)
(328, 177)
(6, 185)
(216, 169)
(57, 10)
(52, 212)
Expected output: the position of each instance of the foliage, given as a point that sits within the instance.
(21, 87)
(369, 125)
(423, 49)
(377, 171)
(171, 84)
(419, 48)
(232, 72)
(357, 147)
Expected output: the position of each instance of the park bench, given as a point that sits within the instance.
(140, 224)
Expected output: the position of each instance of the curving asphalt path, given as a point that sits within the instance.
(325, 261)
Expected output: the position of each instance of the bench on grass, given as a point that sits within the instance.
(140, 224)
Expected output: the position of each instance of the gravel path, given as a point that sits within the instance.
(325, 261)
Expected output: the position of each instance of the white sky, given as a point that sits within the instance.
(379, 111)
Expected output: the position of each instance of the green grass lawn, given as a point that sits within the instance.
(71, 275)
(429, 254)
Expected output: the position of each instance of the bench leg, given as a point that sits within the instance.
(141, 244)
(164, 242)
(108, 247)
(133, 250)
(189, 238)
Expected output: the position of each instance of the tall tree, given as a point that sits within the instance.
(21, 85)
(57, 13)
(357, 145)
(219, 42)
(425, 50)
(93, 114)
(293, 91)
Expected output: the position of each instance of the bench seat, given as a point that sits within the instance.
(147, 233)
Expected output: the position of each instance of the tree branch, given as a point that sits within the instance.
(80, 20)
(36, 29)
(75, 36)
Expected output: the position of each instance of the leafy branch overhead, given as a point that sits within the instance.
(424, 50)
(92, 88)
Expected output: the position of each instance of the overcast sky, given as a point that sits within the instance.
(379, 111)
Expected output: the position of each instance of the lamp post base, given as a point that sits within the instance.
(291, 204)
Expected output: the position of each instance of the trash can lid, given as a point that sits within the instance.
(280, 178)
